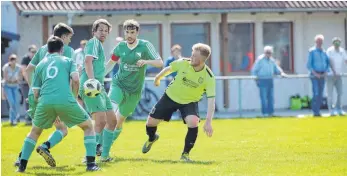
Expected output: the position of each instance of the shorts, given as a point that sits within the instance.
(126, 102)
(71, 114)
(100, 103)
(165, 107)
(32, 106)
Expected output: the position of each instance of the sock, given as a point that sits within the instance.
(191, 136)
(100, 141)
(151, 132)
(90, 160)
(98, 135)
(108, 138)
(28, 147)
(116, 133)
(90, 145)
(54, 139)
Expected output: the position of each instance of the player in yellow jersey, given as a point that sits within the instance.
(193, 79)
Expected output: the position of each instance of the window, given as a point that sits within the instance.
(80, 33)
(241, 47)
(279, 35)
(152, 33)
(187, 35)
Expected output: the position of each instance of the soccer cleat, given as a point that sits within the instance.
(147, 146)
(98, 150)
(185, 157)
(22, 165)
(46, 155)
(21, 168)
(92, 167)
(106, 160)
(17, 163)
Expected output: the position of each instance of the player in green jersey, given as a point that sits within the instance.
(133, 56)
(193, 79)
(94, 68)
(64, 32)
(52, 92)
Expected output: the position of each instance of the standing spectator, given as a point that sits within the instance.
(318, 65)
(265, 68)
(176, 52)
(12, 77)
(338, 58)
(25, 87)
(78, 56)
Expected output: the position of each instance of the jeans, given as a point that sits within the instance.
(266, 90)
(317, 89)
(12, 94)
(337, 83)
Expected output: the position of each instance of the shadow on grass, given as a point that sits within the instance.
(42, 170)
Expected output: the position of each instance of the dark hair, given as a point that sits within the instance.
(62, 29)
(55, 44)
(97, 23)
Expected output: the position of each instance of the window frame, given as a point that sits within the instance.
(208, 36)
(291, 40)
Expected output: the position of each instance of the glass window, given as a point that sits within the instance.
(241, 47)
(152, 33)
(279, 35)
(189, 34)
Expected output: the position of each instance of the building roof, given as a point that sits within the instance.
(162, 7)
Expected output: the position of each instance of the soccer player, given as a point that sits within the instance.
(133, 55)
(64, 32)
(52, 92)
(193, 79)
(94, 68)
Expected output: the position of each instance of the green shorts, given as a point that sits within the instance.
(126, 102)
(100, 103)
(32, 106)
(71, 114)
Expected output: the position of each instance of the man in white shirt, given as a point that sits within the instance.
(78, 56)
(338, 59)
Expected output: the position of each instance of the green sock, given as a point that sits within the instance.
(28, 147)
(90, 145)
(97, 137)
(54, 139)
(108, 138)
(100, 139)
(116, 133)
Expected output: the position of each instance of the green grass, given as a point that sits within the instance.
(273, 146)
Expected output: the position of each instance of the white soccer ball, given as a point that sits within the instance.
(92, 88)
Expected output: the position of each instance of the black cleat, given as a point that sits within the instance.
(46, 155)
(148, 145)
(106, 160)
(98, 150)
(22, 165)
(21, 168)
(92, 167)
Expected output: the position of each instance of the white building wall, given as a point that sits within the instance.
(305, 27)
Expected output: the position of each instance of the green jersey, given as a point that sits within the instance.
(130, 77)
(95, 49)
(189, 85)
(42, 53)
(52, 77)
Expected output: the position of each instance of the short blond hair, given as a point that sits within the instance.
(97, 23)
(131, 23)
(176, 47)
(204, 49)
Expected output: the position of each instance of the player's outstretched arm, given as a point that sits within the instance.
(109, 66)
(166, 71)
(75, 83)
(89, 67)
(210, 113)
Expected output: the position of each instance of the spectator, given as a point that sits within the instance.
(265, 68)
(337, 56)
(78, 55)
(176, 52)
(12, 77)
(25, 87)
(318, 65)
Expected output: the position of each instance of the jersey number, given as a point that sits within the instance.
(52, 67)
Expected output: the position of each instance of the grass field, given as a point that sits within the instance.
(273, 146)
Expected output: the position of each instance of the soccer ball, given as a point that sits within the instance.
(92, 87)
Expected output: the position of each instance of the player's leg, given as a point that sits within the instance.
(163, 110)
(44, 118)
(57, 136)
(73, 114)
(191, 118)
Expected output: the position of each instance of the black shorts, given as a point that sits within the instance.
(165, 107)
